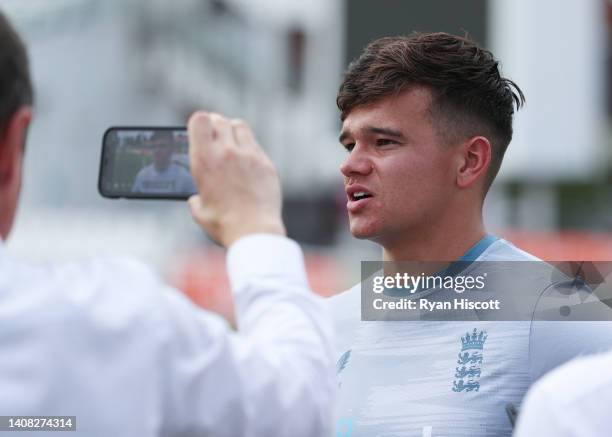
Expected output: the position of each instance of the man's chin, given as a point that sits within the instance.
(362, 233)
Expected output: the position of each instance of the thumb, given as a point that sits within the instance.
(195, 205)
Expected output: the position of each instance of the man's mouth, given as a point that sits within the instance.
(359, 195)
(357, 198)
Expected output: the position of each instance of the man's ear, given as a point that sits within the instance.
(474, 161)
(12, 142)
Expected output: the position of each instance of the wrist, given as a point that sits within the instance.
(273, 227)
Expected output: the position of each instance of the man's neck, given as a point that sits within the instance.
(434, 244)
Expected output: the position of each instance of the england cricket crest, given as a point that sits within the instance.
(469, 362)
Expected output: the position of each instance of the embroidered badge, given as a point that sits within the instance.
(467, 373)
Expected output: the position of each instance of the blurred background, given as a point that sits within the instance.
(278, 64)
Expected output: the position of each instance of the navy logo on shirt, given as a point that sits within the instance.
(469, 360)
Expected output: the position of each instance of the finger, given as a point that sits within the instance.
(222, 131)
(204, 217)
(198, 211)
(194, 203)
(245, 137)
(242, 133)
(200, 135)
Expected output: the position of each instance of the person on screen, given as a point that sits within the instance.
(108, 342)
(426, 121)
(163, 176)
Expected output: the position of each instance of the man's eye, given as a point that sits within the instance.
(349, 146)
(385, 142)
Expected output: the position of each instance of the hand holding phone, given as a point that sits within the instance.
(234, 190)
(239, 189)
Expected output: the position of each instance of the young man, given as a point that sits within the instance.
(107, 342)
(163, 175)
(426, 122)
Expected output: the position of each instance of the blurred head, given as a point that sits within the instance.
(163, 147)
(16, 97)
(427, 120)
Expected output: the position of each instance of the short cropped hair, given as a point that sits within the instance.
(469, 95)
(15, 83)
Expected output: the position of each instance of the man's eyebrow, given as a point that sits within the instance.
(343, 135)
(375, 130)
(385, 131)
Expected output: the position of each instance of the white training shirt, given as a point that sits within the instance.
(442, 378)
(173, 180)
(572, 401)
(108, 342)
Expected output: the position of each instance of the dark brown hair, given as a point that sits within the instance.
(469, 96)
(15, 84)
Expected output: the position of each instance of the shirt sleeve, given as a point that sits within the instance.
(275, 376)
(541, 416)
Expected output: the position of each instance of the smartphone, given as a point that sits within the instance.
(145, 163)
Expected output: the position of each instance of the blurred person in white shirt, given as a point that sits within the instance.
(108, 342)
(571, 401)
(163, 175)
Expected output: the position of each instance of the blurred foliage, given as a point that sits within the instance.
(127, 165)
(585, 205)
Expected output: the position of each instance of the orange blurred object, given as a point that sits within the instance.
(202, 277)
(201, 274)
(563, 245)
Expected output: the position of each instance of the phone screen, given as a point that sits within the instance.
(145, 163)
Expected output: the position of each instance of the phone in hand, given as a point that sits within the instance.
(145, 163)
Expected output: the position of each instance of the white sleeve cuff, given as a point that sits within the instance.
(259, 256)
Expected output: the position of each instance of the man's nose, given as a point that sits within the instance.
(356, 163)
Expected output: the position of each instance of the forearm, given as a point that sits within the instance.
(288, 331)
(275, 377)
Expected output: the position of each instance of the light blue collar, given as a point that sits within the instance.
(477, 249)
(456, 266)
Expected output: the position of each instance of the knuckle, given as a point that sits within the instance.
(254, 158)
(268, 164)
(229, 153)
(218, 120)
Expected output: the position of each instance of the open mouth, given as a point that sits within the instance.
(357, 198)
(359, 195)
